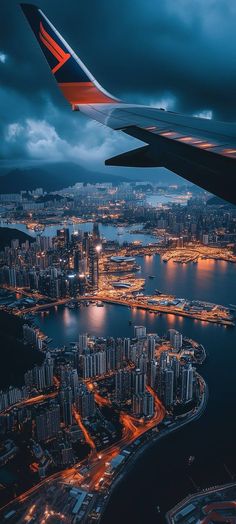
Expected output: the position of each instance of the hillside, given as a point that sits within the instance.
(52, 177)
(7, 235)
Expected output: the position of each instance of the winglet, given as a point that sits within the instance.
(74, 79)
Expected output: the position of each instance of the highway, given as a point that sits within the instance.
(97, 463)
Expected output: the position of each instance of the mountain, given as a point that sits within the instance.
(217, 201)
(8, 234)
(52, 177)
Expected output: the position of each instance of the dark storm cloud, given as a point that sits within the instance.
(179, 54)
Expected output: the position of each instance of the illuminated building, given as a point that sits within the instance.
(85, 402)
(138, 381)
(111, 358)
(65, 399)
(48, 422)
(127, 348)
(93, 265)
(151, 347)
(175, 366)
(187, 377)
(122, 385)
(63, 235)
(139, 331)
(93, 364)
(152, 373)
(143, 405)
(83, 342)
(176, 339)
(168, 386)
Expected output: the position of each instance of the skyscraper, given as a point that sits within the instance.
(138, 381)
(168, 387)
(187, 376)
(139, 331)
(176, 339)
(122, 385)
(48, 422)
(151, 343)
(83, 342)
(85, 402)
(65, 399)
(93, 265)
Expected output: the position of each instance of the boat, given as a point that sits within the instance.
(151, 276)
(130, 322)
(158, 292)
(100, 304)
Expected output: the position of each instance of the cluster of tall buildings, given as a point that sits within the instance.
(57, 267)
(40, 377)
(134, 365)
(140, 362)
(32, 336)
(175, 382)
(12, 396)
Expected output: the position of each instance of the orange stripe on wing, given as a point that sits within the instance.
(54, 48)
(51, 41)
(83, 93)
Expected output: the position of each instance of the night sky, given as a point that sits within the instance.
(177, 54)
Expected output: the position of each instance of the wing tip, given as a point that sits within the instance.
(28, 8)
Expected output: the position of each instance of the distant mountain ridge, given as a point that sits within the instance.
(56, 176)
(52, 177)
(8, 234)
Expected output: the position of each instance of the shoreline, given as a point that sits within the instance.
(165, 432)
(170, 515)
(157, 309)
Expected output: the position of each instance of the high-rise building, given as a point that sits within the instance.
(187, 376)
(152, 374)
(48, 422)
(63, 235)
(74, 382)
(168, 387)
(83, 342)
(93, 265)
(138, 381)
(175, 366)
(94, 364)
(139, 331)
(49, 364)
(122, 385)
(66, 399)
(151, 343)
(176, 339)
(126, 343)
(143, 405)
(110, 358)
(85, 402)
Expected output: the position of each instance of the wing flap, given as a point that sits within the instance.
(140, 157)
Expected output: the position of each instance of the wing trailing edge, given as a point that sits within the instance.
(140, 157)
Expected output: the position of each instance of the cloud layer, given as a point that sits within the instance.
(176, 55)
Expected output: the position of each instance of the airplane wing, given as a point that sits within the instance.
(202, 151)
